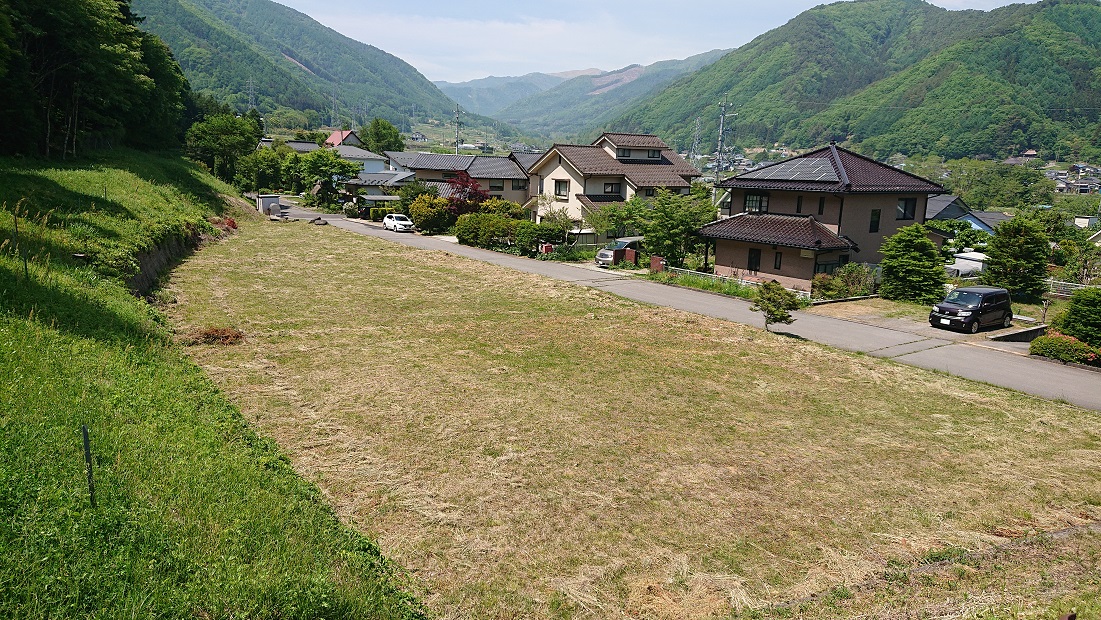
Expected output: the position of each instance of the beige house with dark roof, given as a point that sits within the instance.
(500, 177)
(614, 168)
(811, 214)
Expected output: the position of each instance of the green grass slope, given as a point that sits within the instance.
(196, 515)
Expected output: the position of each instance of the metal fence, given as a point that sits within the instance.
(724, 279)
(1065, 289)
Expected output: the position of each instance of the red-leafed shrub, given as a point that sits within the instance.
(1066, 349)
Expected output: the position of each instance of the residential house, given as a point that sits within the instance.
(1085, 185)
(813, 213)
(949, 207)
(501, 177)
(614, 168)
(298, 146)
(417, 136)
(369, 162)
(345, 137)
(383, 183)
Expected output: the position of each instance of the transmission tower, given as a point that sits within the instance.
(332, 116)
(694, 152)
(720, 153)
(457, 125)
(251, 94)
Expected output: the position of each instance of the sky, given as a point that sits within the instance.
(458, 41)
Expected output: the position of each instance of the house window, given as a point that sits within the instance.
(449, 175)
(776, 261)
(519, 184)
(906, 208)
(756, 203)
(754, 260)
(622, 153)
(611, 188)
(561, 188)
(496, 185)
(649, 191)
(822, 205)
(653, 154)
(798, 204)
(873, 226)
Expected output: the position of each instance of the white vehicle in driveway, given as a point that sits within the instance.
(397, 223)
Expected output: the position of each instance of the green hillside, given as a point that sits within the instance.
(585, 103)
(294, 63)
(490, 95)
(828, 66)
(195, 515)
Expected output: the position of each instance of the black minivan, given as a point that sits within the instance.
(972, 307)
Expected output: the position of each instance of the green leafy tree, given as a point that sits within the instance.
(1017, 258)
(557, 224)
(382, 136)
(671, 223)
(912, 267)
(775, 303)
(1083, 316)
(219, 141)
(324, 170)
(500, 206)
(616, 219)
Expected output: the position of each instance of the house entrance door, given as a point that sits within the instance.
(754, 260)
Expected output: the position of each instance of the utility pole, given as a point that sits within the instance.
(456, 129)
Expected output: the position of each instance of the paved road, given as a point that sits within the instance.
(1003, 365)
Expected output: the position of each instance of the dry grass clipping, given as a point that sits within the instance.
(531, 448)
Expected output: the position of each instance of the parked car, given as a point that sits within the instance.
(971, 308)
(397, 223)
(605, 256)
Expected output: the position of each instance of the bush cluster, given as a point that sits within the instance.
(1066, 349)
(851, 280)
(496, 232)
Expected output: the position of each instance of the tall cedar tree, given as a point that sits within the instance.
(912, 267)
(1083, 317)
(1017, 258)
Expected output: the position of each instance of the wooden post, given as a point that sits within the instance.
(88, 461)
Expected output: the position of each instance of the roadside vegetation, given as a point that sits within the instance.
(530, 448)
(195, 514)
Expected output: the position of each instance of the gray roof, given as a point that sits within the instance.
(384, 179)
(486, 167)
(526, 160)
(401, 158)
(441, 161)
(354, 152)
(990, 218)
(938, 203)
(299, 146)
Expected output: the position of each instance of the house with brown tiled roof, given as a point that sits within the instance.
(614, 168)
(811, 214)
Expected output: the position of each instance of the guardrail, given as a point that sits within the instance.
(724, 279)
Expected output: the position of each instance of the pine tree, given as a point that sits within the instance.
(1017, 258)
(776, 303)
(912, 267)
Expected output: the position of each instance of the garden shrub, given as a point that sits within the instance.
(500, 206)
(526, 236)
(851, 280)
(482, 230)
(351, 209)
(431, 214)
(1065, 348)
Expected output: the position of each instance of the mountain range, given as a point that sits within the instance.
(883, 76)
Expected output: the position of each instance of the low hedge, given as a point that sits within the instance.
(1065, 349)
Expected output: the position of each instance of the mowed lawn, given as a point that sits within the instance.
(530, 448)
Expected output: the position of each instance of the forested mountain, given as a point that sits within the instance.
(295, 64)
(79, 74)
(491, 94)
(587, 101)
(901, 76)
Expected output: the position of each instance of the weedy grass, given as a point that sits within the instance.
(195, 514)
(531, 448)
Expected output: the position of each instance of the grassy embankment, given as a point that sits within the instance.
(196, 515)
(537, 449)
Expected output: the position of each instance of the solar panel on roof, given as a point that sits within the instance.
(811, 169)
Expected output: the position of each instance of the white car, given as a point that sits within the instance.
(397, 223)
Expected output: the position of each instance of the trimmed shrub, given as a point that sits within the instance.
(351, 209)
(1065, 348)
(431, 214)
(482, 230)
(500, 206)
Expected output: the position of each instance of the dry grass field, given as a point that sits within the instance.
(530, 448)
